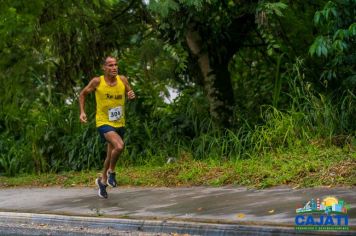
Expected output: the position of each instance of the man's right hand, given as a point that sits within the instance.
(83, 118)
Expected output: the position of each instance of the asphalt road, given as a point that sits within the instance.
(196, 210)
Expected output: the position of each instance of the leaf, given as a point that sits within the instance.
(240, 215)
(324, 50)
(333, 10)
(339, 34)
(312, 49)
(352, 29)
(317, 18)
(319, 47)
(318, 50)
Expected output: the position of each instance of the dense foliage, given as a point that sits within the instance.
(251, 76)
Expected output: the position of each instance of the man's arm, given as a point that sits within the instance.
(93, 84)
(130, 93)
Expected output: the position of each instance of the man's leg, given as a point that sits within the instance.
(101, 181)
(114, 149)
(106, 163)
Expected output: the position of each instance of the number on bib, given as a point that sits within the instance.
(115, 113)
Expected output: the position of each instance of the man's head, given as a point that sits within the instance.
(110, 66)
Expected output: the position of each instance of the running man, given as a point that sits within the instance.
(111, 91)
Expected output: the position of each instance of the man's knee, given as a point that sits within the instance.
(118, 147)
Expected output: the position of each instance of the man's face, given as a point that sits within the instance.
(110, 67)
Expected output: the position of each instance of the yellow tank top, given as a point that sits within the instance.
(110, 103)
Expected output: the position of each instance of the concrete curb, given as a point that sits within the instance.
(155, 226)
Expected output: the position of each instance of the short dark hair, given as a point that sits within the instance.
(103, 61)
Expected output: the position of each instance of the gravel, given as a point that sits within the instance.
(10, 229)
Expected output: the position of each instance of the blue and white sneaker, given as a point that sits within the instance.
(111, 179)
(102, 188)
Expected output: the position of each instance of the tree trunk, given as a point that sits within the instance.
(217, 82)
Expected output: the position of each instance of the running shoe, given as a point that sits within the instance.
(102, 188)
(111, 179)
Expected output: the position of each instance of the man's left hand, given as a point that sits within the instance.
(131, 95)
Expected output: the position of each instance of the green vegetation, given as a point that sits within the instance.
(312, 166)
(266, 91)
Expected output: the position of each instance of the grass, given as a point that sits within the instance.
(309, 166)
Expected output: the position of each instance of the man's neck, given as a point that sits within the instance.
(110, 78)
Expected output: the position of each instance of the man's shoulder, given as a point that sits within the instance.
(93, 83)
(95, 80)
(122, 76)
(124, 80)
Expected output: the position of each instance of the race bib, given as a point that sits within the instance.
(115, 113)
